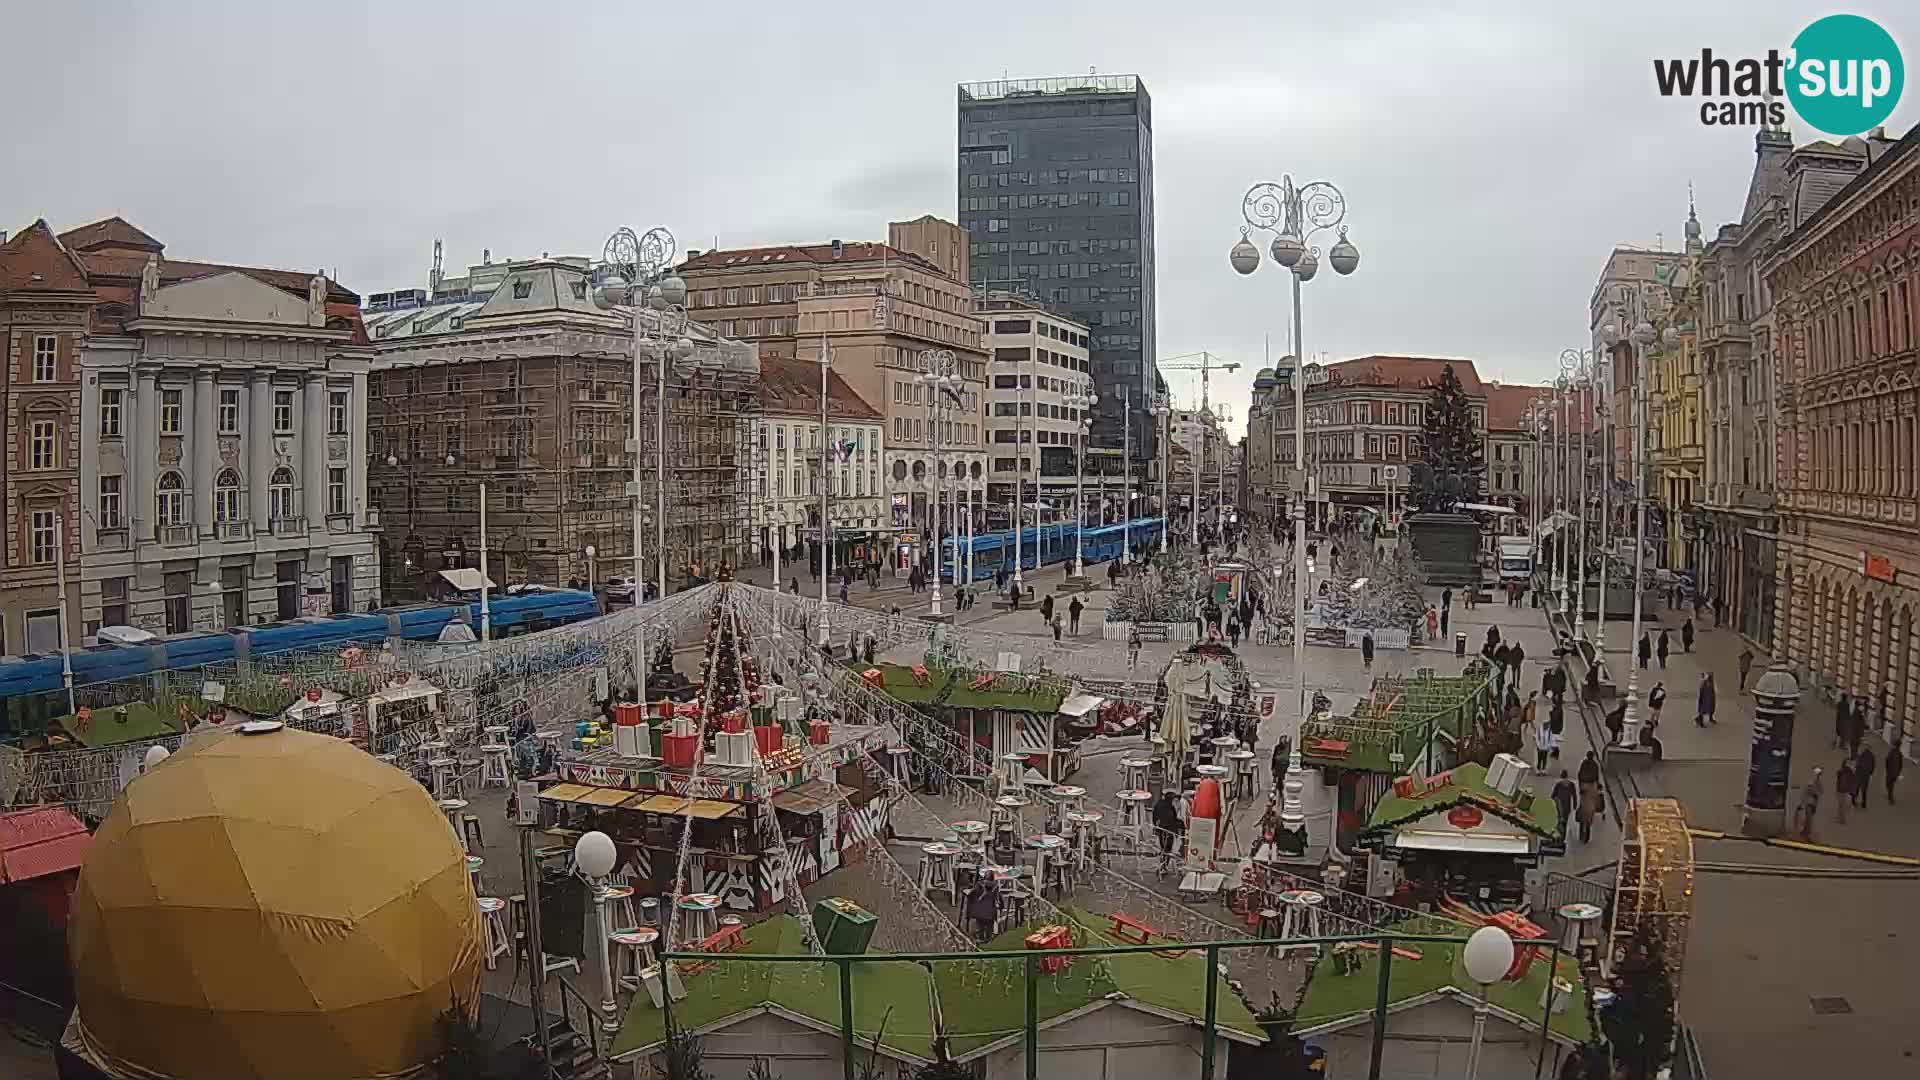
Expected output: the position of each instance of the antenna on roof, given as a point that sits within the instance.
(433, 276)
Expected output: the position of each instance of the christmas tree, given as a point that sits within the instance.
(727, 669)
(1452, 462)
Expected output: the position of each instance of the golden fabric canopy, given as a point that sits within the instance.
(271, 905)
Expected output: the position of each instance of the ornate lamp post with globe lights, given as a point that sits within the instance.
(1295, 215)
(939, 369)
(1643, 337)
(636, 272)
(1163, 408)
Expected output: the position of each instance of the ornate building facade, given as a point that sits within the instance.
(1846, 289)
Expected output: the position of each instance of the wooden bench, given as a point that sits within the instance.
(727, 939)
(1130, 930)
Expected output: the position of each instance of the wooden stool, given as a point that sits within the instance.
(700, 912)
(493, 765)
(517, 922)
(632, 954)
(474, 863)
(495, 928)
(470, 833)
(1135, 771)
(620, 906)
(446, 778)
(937, 869)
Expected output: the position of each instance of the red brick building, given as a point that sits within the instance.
(1846, 290)
(44, 302)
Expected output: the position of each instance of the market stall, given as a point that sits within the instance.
(1468, 834)
(1040, 718)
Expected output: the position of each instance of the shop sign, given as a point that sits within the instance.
(1465, 817)
(1877, 567)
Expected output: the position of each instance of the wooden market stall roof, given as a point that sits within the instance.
(1036, 695)
(1333, 1000)
(644, 801)
(1465, 785)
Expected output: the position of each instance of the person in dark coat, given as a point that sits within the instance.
(1666, 646)
(1046, 609)
(1515, 657)
(1895, 763)
(1563, 796)
(1842, 720)
(981, 903)
(1646, 650)
(1686, 635)
(1705, 715)
(1863, 765)
(1073, 615)
(1366, 650)
(1591, 801)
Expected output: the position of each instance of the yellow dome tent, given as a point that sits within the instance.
(271, 904)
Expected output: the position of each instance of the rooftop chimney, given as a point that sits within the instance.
(836, 249)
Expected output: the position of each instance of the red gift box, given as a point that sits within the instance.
(734, 723)
(820, 732)
(769, 738)
(1051, 937)
(679, 751)
(626, 714)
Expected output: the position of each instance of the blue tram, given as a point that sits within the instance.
(24, 678)
(1047, 545)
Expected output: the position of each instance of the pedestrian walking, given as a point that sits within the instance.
(1433, 623)
(1443, 622)
(1591, 801)
(1531, 710)
(1843, 779)
(1557, 723)
(843, 591)
(1233, 632)
(1656, 700)
(1366, 650)
(1563, 795)
(1646, 650)
(1809, 805)
(1842, 720)
(1046, 609)
(1542, 745)
(1706, 702)
(1056, 629)
(1686, 635)
(1863, 766)
(1746, 666)
(1666, 646)
(1895, 763)
(1133, 648)
(1013, 595)
(1515, 657)
(1073, 615)
(1446, 597)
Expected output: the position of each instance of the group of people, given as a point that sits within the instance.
(1051, 619)
(1853, 779)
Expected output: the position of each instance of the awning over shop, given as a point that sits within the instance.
(1080, 705)
(810, 797)
(1496, 844)
(566, 792)
(679, 806)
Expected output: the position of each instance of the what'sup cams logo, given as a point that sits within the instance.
(1843, 75)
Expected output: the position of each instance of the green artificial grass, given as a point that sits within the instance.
(944, 689)
(118, 724)
(1331, 997)
(896, 996)
(977, 1015)
(1468, 787)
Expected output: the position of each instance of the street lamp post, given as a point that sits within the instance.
(1126, 473)
(1294, 216)
(1082, 403)
(939, 370)
(1162, 409)
(1600, 383)
(1488, 956)
(1642, 337)
(594, 856)
(637, 273)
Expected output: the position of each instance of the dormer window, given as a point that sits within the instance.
(522, 290)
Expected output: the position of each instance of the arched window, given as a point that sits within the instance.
(170, 504)
(226, 496)
(280, 494)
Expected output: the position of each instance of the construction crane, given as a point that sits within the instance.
(1206, 364)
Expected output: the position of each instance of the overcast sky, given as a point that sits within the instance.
(1491, 154)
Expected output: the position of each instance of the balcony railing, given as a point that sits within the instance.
(289, 526)
(111, 538)
(177, 536)
(233, 530)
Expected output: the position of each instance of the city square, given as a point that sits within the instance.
(989, 594)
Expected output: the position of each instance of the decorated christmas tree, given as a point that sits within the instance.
(727, 667)
(1452, 463)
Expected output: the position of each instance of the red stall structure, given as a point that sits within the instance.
(41, 851)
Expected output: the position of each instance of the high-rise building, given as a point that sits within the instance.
(1056, 194)
(1039, 370)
